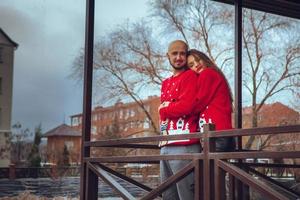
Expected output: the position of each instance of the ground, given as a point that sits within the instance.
(28, 196)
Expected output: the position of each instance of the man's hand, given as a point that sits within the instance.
(164, 104)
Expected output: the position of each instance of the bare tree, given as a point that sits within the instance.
(296, 95)
(130, 60)
(271, 65)
(18, 138)
(127, 63)
(200, 24)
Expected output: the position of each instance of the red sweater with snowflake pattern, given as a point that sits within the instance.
(213, 100)
(178, 117)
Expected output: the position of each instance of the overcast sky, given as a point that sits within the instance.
(50, 33)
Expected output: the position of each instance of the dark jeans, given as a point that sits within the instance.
(184, 189)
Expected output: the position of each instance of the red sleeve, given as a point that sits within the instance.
(163, 90)
(208, 83)
(186, 100)
(162, 118)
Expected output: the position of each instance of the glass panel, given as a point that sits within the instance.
(40, 94)
(270, 75)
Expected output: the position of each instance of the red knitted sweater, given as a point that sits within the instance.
(213, 100)
(178, 117)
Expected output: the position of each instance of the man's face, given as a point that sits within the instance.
(177, 55)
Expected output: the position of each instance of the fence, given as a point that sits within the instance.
(209, 167)
(38, 172)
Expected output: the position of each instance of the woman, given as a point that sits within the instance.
(214, 99)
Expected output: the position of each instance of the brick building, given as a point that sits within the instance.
(7, 51)
(58, 138)
(128, 119)
(122, 120)
(275, 114)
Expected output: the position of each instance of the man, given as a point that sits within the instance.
(178, 96)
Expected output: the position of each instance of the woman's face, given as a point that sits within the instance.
(194, 65)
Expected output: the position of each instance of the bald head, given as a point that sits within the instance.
(177, 52)
(177, 45)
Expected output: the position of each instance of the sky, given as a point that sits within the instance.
(50, 33)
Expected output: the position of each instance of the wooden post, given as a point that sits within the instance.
(198, 179)
(12, 171)
(220, 190)
(238, 78)
(54, 174)
(208, 166)
(91, 185)
(87, 95)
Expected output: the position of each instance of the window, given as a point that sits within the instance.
(131, 124)
(74, 121)
(146, 124)
(0, 85)
(94, 130)
(132, 113)
(121, 114)
(1, 54)
(259, 118)
(126, 127)
(127, 114)
(69, 144)
(94, 117)
(0, 117)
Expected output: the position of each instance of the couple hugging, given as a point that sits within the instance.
(197, 93)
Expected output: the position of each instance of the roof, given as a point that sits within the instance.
(62, 130)
(269, 108)
(288, 8)
(8, 38)
(121, 105)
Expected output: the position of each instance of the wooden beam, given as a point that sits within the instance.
(171, 180)
(111, 182)
(288, 8)
(145, 159)
(126, 178)
(251, 181)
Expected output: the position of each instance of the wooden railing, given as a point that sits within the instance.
(13, 172)
(218, 175)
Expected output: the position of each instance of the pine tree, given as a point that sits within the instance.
(66, 157)
(34, 158)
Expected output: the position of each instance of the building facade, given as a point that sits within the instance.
(7, 48)
(125, 119)
(129, 120)
(61, 137)
(122, 120)
(274, 114)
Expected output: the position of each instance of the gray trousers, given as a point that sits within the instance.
(184, 189)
